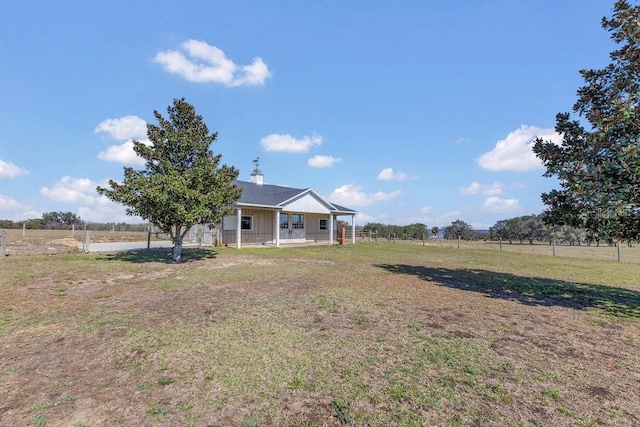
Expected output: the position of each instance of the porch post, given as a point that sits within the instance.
(239, 229)
(353, 228)
(276, 229)
(331, 229)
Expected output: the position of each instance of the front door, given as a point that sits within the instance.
(292, 228)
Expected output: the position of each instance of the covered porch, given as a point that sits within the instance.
(278, 227)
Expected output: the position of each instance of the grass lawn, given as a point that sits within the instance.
(367, 334)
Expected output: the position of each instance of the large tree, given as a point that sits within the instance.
(460, 229)
(183, 183)
(598, 162)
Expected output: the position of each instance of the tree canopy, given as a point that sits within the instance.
(598, 162)
(460, 229)
(183, 183)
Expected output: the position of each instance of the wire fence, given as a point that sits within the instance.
(604, 252)
(25, 242)
(14, 242)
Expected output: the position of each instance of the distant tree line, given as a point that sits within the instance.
(420, 231)
(522, 229)
(531, 228)
(527, 229)
(402, 232)
(66, 221)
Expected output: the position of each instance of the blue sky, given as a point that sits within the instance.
(407, 111)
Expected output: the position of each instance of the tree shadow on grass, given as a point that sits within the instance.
(542, 291)
(158, 255)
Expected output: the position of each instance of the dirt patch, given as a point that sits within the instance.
(61, 246)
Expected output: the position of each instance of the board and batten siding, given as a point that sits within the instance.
(312, 226)
(306, 204)
(261, 232)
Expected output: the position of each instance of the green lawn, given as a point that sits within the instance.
(366, 334)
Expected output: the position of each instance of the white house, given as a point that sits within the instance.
(275, 215)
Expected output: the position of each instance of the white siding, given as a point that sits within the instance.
(307, 204)
(312, 224)
(230, 222)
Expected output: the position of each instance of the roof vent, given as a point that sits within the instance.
(256, 176)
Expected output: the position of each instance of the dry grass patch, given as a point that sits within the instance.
(359, 335)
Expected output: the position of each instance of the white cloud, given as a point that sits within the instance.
(12, 210)
(323, 161)
(210, 64)
(514, 153)
(389, 175)
(104, 210)
(279, 142)
(8, 203)
(382, 196)
(253, 74)
(92, 207)
(72, 190)
(496, 204)
(125, 129)
(425, 209)
(122, 153)
(362, 219)
(487, 190)
(10, 170)
(351, 195)
(445, 219)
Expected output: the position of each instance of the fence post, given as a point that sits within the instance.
(24, 229)
(149, 238)
(85, 243)
(619, 252)
(501, 244)
(458, 241)
(554, 247)
(3, 243)
(85, 240)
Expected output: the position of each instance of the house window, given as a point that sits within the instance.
(284, 221)
(323, 224)
(297, 221)
(246, 223)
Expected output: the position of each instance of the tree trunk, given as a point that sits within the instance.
(177, 245)
(177, 250)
